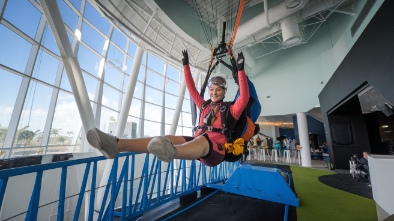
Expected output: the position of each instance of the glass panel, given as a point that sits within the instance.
(88, 61)
(186, 131)
(17, 49)
(46, 67)
(119, 39)
(92, 38)
(24, 16)
(179, 132)
(169, 115)
(96, 19)
(48, 41)
(170, 101)
(115, 56)
(152, 112)
(91, 85)
(167, 129)
(9, 85)
(66, 122)
(155, 80)
(135, 108)
(110, 97)
(187, 119)
(172, 87)
(34, 114)
(113, 76)
(76, 4)
(155, 64)
(68, 15)
(186, 105)
(173, 73)
(141, 74)
(131, 129)
(138, 90)
(153, 96)
(108, 120)
(132, 49)
(151, 129)
(65, 83)
(129, 65)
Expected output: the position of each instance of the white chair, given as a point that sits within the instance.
(265, 152)
(274, 152)
(298, 154)
(286, 156)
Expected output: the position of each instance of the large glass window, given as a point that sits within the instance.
(88, 60)
(153, 96)
(110, 97)
(34, 115)
(48, 41)
(92, 38)
(46, 68)
(23, 69)
(119, 39)
(96, 19)
(9, 84)
(155, 64)
(152, 112)
(68, 15)
(115, 56)
(66, 124)
(113, 76)
(15, 50)
(155, 80)
(24, 16)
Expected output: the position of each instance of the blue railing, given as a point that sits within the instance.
(136, 183)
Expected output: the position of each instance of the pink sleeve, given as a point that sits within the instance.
(198, 100)
(243, 98)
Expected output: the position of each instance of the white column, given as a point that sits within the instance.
(304, 140)
(124, 112)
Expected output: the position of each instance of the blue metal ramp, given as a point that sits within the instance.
(263, 183)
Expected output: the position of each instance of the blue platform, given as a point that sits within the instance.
(265, 183)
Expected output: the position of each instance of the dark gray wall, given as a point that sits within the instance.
(369, 62)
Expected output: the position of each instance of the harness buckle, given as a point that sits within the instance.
(209, 128)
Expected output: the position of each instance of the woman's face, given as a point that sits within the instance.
(216, 93)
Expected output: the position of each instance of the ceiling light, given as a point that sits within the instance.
(385, 126)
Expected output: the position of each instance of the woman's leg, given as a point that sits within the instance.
(166, 148)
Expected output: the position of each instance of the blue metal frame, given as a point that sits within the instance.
(152, 191)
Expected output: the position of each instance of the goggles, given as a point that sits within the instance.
(219, 81)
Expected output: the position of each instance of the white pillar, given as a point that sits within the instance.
(304, 140)
(124, 112)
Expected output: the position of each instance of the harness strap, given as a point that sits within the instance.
(208, 128)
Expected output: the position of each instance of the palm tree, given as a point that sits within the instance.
(55, 132)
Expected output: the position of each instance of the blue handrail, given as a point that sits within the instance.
(158, 183)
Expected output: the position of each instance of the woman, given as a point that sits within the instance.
(206, 145)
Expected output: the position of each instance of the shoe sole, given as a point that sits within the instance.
(162, 148)
(94, 140)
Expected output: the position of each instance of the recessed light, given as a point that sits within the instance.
(385, 126)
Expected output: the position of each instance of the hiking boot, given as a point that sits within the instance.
(105, 143)
(162, 148)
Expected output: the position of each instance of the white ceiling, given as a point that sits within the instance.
(168, 27)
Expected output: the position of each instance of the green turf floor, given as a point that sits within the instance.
(319, 202)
